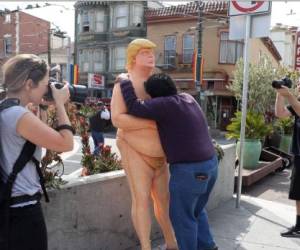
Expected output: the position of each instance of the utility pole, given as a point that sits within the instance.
(69, 60)
(49, 47)
(199, 49)
(199, 70)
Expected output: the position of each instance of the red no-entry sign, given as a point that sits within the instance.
(248, 7)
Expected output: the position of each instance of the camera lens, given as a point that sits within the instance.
(277, 84)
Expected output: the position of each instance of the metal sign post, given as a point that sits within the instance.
(244, 109)
(248, 10)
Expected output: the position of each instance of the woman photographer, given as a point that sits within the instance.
(26, 81)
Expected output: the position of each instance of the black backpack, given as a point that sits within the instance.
(6, 187)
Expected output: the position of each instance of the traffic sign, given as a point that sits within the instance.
(95, 81)
(249, 7)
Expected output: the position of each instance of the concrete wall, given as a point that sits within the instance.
(224, 186)
(93, 213)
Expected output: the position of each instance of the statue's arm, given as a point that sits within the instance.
(119, 116)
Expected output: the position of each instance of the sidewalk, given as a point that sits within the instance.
(264, 212)
(255, 225)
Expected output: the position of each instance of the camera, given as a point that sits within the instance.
(78, 93)
(283, 82)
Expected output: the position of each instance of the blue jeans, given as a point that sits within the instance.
(190, 186)
(98, 140)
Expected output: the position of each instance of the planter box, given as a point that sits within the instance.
(269, 162)
(93, 212)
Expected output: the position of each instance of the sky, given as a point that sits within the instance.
(61, 14)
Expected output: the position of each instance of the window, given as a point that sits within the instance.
(98, 60)
(137, 17)
(85, 63)
(7, 45)
(7, 18)
(210, 84)
(230, 51)
(91, 60)
(80, 60)
(121, 16)
(99, 21)
(188, 48)
(79, 17)
(119, 58)
(170, 50)
(85, 22)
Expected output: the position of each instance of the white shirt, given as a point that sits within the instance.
(105, 114)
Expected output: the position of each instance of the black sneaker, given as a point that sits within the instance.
(292, 232)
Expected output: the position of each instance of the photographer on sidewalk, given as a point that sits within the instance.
(281, 111)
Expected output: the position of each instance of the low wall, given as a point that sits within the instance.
(93, 212)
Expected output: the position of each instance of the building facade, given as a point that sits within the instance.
(174, 30)
(22, 33)
(102, 33)
(284, 38)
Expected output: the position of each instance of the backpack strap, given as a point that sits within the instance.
(25, 198)
(24, 157)
(7, 103)
(42, 179)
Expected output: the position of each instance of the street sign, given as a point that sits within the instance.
(260, 19)
(260, 26)
(297, 58)
(95, 81)
(237, 8)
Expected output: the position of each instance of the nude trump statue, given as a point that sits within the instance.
(142, 155)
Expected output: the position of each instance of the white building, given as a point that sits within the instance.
(283, 37)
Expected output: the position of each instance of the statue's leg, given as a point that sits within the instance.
(139, 176)
(161, 199)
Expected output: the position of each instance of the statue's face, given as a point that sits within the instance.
(146, 58)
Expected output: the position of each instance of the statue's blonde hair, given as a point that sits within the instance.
(134, 47)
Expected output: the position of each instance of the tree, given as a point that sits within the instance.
(261, 95)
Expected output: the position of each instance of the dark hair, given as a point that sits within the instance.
(159, 85)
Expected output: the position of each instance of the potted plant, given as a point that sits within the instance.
(255, 131)
(273, 139)
(285, 126)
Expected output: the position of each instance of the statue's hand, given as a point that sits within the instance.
(121, 77)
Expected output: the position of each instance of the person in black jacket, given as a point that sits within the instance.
(281, 111)
(97, 125)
